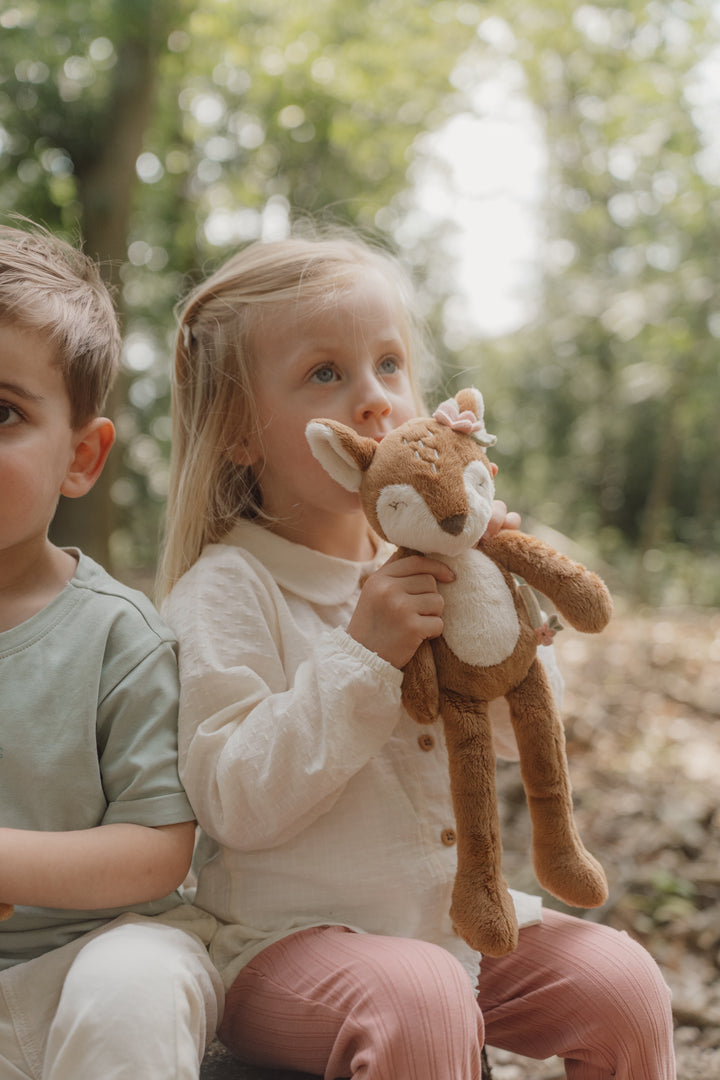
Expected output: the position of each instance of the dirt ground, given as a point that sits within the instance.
(642, 717)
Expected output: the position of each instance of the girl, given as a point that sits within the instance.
(327, 851)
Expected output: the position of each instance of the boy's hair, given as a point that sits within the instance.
(215, 371)
(49, 287)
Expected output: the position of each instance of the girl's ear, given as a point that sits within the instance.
(245, 452)
(343, 453)
(91, 447)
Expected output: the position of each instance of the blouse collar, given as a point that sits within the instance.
(309, 574)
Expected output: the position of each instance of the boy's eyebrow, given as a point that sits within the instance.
(21, 391)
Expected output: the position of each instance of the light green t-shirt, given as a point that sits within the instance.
(88, 734)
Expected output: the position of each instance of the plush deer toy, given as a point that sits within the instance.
(428, 487)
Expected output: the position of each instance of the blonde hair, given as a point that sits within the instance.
(213, 382)
(49, 287)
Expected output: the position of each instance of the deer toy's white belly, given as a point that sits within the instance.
(481, 624)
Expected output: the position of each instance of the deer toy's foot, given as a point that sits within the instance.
(572, 875)
(6, 910)
(485, 918)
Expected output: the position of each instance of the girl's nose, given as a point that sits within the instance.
(372, 401)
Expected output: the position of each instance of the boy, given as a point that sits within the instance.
(96, 833)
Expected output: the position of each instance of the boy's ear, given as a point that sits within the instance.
(92, 446)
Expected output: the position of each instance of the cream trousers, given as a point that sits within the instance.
(137, 1000)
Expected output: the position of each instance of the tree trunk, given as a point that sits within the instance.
(655, 523)
(708, 498)
(106, 184)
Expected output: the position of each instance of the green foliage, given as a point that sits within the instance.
(171, 132)
(612, 393)
(233, 116)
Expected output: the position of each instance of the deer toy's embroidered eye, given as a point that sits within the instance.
(478, 480)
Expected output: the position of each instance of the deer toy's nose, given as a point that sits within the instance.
(453, 524)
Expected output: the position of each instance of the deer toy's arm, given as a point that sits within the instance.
(579, 595)
(420, 693)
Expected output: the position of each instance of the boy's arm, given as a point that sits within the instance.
(91, 869)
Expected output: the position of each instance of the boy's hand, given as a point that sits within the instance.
(501, 519)
(400, 606)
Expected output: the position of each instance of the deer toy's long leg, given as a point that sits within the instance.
(482, 910)
(562, 864)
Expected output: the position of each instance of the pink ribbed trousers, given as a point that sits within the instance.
(338, 1004)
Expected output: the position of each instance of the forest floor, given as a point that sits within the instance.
(642, 718)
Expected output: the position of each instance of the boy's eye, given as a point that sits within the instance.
(8, 415)
(324, 374)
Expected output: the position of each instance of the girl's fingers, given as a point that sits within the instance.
(429, 604)
(400, 606)
(418, 565)
(417, 584)
(432, 627)
(502, 519)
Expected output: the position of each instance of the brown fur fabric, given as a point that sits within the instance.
(428, 487)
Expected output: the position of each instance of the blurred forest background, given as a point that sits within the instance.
(165, 133)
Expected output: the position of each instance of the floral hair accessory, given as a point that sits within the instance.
(466, 422)
(548, 630)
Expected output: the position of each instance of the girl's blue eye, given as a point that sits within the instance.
(324, 374)
(388, 365)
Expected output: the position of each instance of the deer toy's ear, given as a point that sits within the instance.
(466, 413)
(343, 453)
(470, 398)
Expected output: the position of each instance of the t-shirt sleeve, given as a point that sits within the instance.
(137, 743)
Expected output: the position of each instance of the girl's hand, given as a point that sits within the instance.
(501, 519)
(399, 607)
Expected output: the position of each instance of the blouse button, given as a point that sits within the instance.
(426, 742)
(448, 837)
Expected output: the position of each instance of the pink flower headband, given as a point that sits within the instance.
(466, 422)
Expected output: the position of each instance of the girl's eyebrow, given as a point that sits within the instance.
(21, 391)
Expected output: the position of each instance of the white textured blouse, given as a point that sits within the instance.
(320, 800)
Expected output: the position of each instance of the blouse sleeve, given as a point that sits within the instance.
(272, 725)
